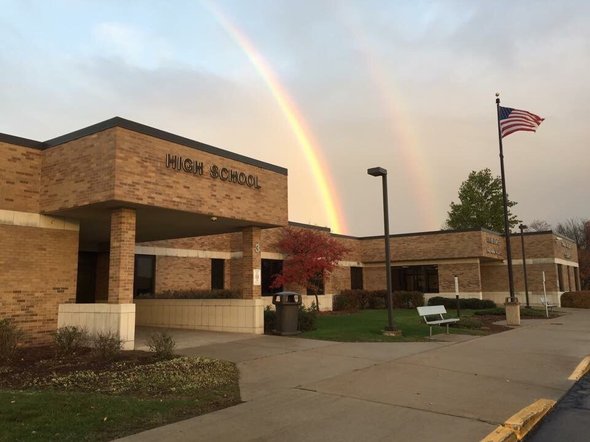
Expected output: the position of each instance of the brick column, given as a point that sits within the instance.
(122, 256)
(250, 261)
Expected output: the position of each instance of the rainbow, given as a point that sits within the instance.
(406, 139)
(310, 147)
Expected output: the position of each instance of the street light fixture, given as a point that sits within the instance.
(522, 227)
(376, 172)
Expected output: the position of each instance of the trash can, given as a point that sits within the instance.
(287, 306)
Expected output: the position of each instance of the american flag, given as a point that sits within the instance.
(513, 120)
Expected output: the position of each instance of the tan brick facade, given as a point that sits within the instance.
(182, 273)
(37, 273)
(251, 262)
(104, 188)
(19, 178)
(122, 256)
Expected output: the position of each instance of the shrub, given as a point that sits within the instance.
(408, 299)
(498, 311)
(579, 299)
(162, 344)
(193, 294)
(353, 300)
(307, 318)
(10, 336)
(107, 345)
(464, 303)
(270, 319)
(70, 339)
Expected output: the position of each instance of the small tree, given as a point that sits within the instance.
(481, 204)
(579, 231)
(309, 256)
(538, 225)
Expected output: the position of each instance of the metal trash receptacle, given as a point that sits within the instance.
(287, 307)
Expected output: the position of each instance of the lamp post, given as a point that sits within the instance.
(526, 285)
(379, 171)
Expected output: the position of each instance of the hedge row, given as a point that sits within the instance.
(193, 294)
(353, 300)
(579, 299)
(466, 303)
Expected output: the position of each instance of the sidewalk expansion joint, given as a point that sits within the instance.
(407, 407)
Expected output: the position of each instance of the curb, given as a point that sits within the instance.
(517, 426)
(582, 368)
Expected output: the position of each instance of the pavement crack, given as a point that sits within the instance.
(372, 401)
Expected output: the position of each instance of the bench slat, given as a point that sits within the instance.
(432, 310)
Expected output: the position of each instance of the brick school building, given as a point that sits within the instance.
(93, 220)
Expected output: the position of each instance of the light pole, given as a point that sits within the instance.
(526, 284)
(379, 171)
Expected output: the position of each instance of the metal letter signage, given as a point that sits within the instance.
(194, 167)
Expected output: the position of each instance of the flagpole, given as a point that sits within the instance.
(505, 198)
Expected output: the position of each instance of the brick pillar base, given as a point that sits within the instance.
(251, 262)
(122, 256)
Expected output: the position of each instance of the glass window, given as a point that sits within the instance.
(217, 274)
(415, 278)
(356, 278)
(270, 269)
(318, 281)
(145, 270)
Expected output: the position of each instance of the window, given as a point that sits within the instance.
(269, 269)
(217, 274)
(318, 281)
(356, 278)
(415, 279)
(145, 270)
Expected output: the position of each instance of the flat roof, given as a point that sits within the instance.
(142, 129)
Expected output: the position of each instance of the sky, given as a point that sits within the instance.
(326, 89)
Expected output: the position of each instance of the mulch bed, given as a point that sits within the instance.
(489, 326)
(41, 362)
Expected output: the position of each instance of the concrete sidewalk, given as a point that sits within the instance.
(455, 390)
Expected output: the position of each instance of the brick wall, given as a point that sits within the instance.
(182, 273)
(444, 245)
(79, 172)
(122, 256)
(19, 178)
(38, 272)
(468, 273)
(142, 177)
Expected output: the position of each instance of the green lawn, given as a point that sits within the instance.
(367, 326)
(39, 404)
(73, 416)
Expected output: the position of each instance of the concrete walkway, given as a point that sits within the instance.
(457, 389)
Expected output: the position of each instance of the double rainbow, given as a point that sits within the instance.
(310, 147)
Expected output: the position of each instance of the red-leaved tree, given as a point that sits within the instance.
(309, 256)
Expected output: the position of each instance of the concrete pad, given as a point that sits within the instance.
(520, 366)
(298, 415)
(377, 351)
(445, 391)
(187, 338)
(490, 399)
(260, 377)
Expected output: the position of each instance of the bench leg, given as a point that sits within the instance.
(431, 331)
(447, 329)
